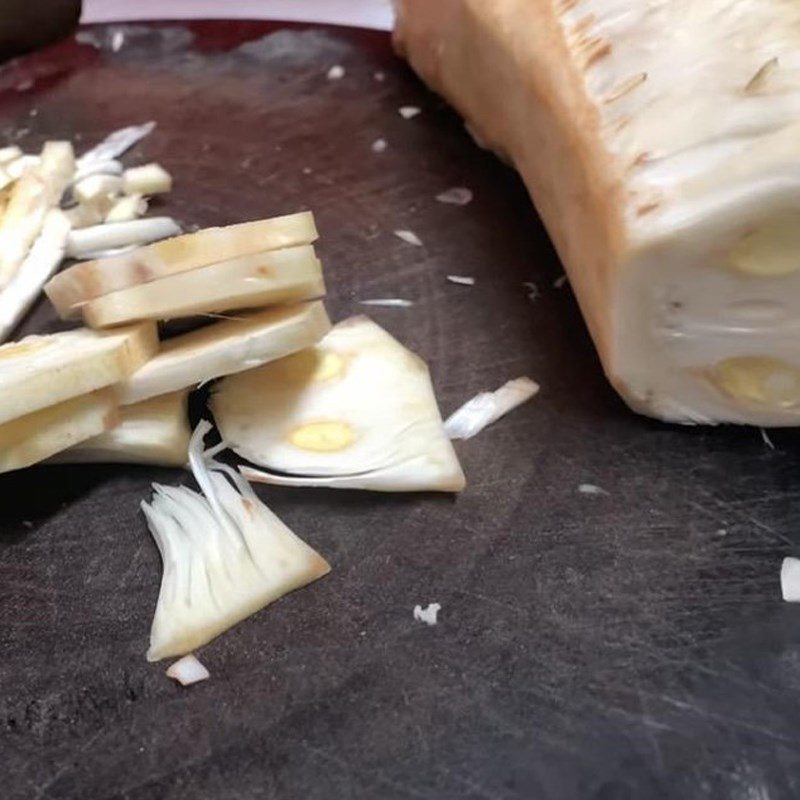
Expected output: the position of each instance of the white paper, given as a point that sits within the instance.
(375, 14)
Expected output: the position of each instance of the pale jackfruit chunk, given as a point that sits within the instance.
(227, 347)
(155, 431)
(33, 438)
(83, 282)
(277, 276)
(660, 142)
(225, 556)
(40, 371)
(147, 179)
(355, 411)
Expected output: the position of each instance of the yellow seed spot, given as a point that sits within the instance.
(22, 348)
(758, 379)
(329, 366)
(771, 249)
(323, 437)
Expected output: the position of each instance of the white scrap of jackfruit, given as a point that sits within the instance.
(409, 237)
(427, 615)
(148, 179)
(455, 196)
(225, 555)
(388, 302)
(462, 280)
(115, 144)
(188, 670)
(591, 488)
(85, 242)
(487, 407)
(790, 579)
(357, 411)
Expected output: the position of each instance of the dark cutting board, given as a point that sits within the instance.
(630, 644)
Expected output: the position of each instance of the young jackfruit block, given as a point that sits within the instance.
(660, 142)
(41, 371)
(277, 276)
(33, 438)
(84, 282)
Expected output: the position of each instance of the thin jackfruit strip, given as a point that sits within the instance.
(226, 347)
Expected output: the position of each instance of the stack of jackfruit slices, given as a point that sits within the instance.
(111, 391)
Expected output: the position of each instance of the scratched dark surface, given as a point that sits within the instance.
(630, 644)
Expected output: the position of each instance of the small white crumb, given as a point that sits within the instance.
(790, 580)
(532, 289)
(336, 72)
(409, 112)
(590, 488)
(427, 615)
(767, 441)
(117, 40)
(721, 532)
(379, 145)
(559, 282)
(463, 280)
(409, 237)
(26, 523)
(24, 85)
(379, 76)
(307, 170)
(456, 196)
(188, 670)
(388, 302)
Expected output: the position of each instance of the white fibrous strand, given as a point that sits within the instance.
(487, 407)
